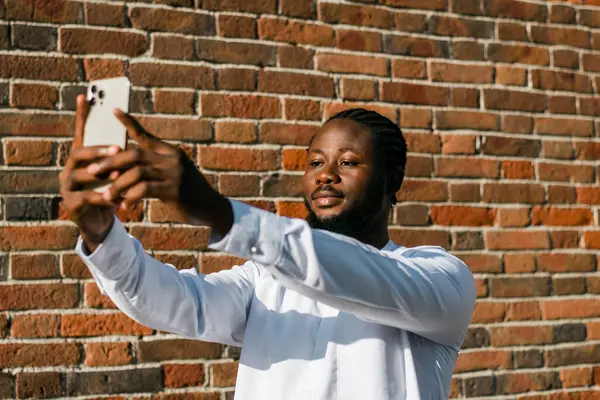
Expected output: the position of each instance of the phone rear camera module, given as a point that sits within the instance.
(92, 101)
(101, 94)
(94, 89)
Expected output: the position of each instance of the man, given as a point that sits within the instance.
(327, 308)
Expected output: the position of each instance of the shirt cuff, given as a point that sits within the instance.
(113, 256)
(256, 235)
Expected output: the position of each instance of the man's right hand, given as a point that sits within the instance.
(88, 209)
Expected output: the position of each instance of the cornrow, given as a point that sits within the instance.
(388, 138)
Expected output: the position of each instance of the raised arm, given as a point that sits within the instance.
(423, 290)
(209, 307)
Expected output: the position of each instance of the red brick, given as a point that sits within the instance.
(170, 20)
(33, 266)
(239, 185)
(415, 46)
(423, 190)
(452, 26)
(330, 109)
(294, 83)
(161, 212)
(82, 325)
(562, 105)
(238, 26)
(35, 326)
(39, 385)
(516, 240)
(255, 7)
(561, 216)
(463, 73)
(105, 14)
(524, 311)
(482, 263)
(277, 133)
(467, 50)
(282, 30)
(518, 263)
(520, 287)
(570, 309)
(467, 120)
(488, 312)
(512, 31)
(298, 9)
(560, 36)
(295, 57)
(33, 96)
(565, 172)
(422, 142)
(171, 238)
(412, 215)
(415, 118)
(341, 63)
(240, 106)
(235, 52)
(153, 74)
(420, 237)
(409, 69)
(56, 11)
(73, 267)
(294, 159)
(514, 217)
(37, 237)
(588, 195)
(525, 382)
(292, 209)
(560, 80)
(575, 377)
(557, 149)
(356, 40)
(98, 68)
(42, 68)
(517, 169)
(95, 299)
(513, 193)
(305, 110)
(589, 106)
(414, 94)
(174, 102)
(19, 355)
(351, 14)
(464, 97)
(563, 127)
(357, 89)
(177, 128)
(483, 360)
(521, 335)
(172, 47)
(235, 132)
(462, 216)
(183, 375)
(517, 124)
(562, 14)
(107, 354)
(176, 349)
(211, 263)
(591, 239)
(465, 192)
(419, 166)
(564, 239)
(99, 41)
(593, 329)
(237, 79)
(466, 167)
(515, 10)
(516, 53)
(28, 152)
(565, 262)
(224, 374)
(514, 76)
(561, 194)
(499, 99)
(238, 159)
(430, 5)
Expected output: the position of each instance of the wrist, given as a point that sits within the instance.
(92, 239)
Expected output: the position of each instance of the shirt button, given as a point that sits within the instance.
(253, 250)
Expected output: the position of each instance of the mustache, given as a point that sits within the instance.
(327, 188)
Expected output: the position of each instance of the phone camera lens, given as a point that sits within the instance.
(94, 89)
(101, 94)
(92, 101)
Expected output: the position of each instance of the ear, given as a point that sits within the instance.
(394, 180)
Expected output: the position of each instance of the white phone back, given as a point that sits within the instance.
(102, 128)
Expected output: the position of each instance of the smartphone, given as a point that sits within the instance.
(102, 128)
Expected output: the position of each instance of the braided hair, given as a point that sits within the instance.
(389, 142)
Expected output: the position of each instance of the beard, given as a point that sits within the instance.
(356, 219)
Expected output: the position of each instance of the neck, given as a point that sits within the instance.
(376, 236)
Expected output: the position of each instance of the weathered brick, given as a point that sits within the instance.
(122, 381)
(499, 99)
(100, 41)
(282, 30)
(236, 185)
(238, 159)
(177, 349)
(341, 63)
(514, 9)
(240, 106)
(354, 14)
(453, 26)
(420, 237)
(37, 67)
(216, 262)
(177, 128)
(282, 185)
(524, 382)
(503, 146)
(349, 39)
(18, 355)
(183, 238)
(107, 354)
(512, 31)
(174, 102)
(305, 110)
(83, 325)
(173, 47)
(562, 105)
(467, 50)
(483, 360)
(294, 83)
(295, 57)
(39, 385)
(95, 299)
(517, 169)
(467, 120)
(508, 53)
(519, 287)
(414, 93)
(105, 14)
(37, 237)
(409, 69)
(34, 37)
(516, 240)
(462, 216)
(582, 354)
(152, 74)
(256, 7)
(561, 194)
(465, 192)
(183, 375)
(513, 193)
(224, 374)
(238, 26)
(521, 335)
(447, 72)
(562, 14)
(35, 326)
(422, 142)
(294, 159)
(237, 79)
(414, 46)
(235, 52)
(467, 167)
(517, 124)
(561, 36)
(28, 152)
(177, 21)
(33, 266)
(559, 80)
(236, 132)
(565, 172)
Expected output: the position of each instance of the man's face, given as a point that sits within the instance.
(344, 190)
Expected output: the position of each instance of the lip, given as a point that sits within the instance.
(328, 201)
(326, 193)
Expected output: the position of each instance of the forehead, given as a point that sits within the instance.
(343, 134)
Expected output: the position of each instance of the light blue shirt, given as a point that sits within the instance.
(318, 315)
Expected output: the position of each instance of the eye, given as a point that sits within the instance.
(315, 163)
(349, 163)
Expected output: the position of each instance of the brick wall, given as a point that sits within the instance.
(497, 100)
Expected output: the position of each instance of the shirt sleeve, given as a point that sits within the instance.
(211, 307)
(424, 290)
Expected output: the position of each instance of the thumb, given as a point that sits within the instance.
(81, 115)
(136, 131)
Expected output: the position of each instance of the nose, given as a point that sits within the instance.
(327, 175)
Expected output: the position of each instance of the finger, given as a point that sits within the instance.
(122, 161)
(131, 178)
(88, 154)
(80, 176)
(136, 131)
(140, 191)
(81, 114)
